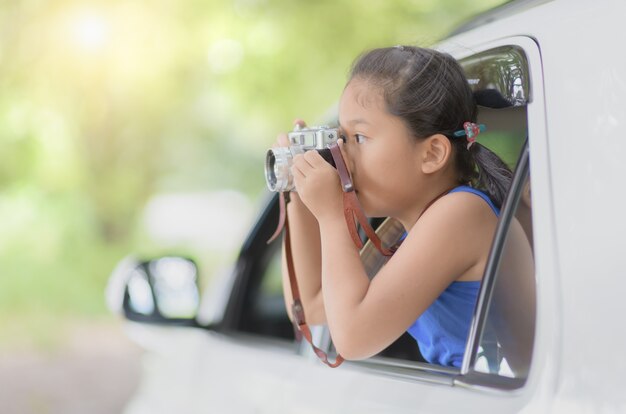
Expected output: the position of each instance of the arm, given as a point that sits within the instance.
(306, 255)
(307, 261)
(451, 240)
(365, 317)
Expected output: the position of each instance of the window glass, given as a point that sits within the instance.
(264, 311)
(269, 301)
(507, 144)
(506, 341)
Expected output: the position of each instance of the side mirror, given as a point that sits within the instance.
(163, 290)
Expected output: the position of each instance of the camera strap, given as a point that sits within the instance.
(301, 328)
(352, 207)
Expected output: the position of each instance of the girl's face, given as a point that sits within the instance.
(381, 153)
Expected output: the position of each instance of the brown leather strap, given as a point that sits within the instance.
(433, 202)
(352, 206)
(297, 311)
(283, 200)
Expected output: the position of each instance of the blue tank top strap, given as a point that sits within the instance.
(468, 189)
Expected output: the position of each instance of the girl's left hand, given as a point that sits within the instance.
(318, 185)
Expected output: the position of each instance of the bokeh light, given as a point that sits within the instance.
(89, 30)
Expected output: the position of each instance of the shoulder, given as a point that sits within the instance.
(457, 211)
(458, 228)
(464, 189)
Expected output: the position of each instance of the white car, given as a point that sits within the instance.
(546, 336)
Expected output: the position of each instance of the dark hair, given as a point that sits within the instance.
(429, 91)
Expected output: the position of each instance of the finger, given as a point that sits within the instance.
(299, 122)
(342, 136)
(302, 164)
(297, 173)
(340, 144)
(299, 179)
(314, 159)
(282, 140)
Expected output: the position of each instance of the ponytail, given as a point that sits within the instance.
(494, 176)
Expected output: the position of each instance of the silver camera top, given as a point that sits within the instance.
(278, 161)
(315, 137)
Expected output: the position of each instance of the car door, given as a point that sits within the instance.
(238, 354)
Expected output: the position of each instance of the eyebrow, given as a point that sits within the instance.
(356, 121)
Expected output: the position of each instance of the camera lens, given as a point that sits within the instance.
(270, 170)
(277, 168)
(278, 163)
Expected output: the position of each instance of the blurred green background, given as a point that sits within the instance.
(107, 108)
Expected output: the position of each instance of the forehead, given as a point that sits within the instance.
(359, 99)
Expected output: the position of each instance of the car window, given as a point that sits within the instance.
(501, 350)
(263, 310)
(256, 304)
(501, 340)
(505, 346)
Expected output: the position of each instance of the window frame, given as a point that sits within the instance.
(536, 152)
(528, 52)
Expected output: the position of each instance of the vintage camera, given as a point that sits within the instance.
(278, 161)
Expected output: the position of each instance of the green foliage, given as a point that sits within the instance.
(105, 104)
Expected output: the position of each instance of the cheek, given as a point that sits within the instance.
(376, 169)
(386, 160)
(384, 172)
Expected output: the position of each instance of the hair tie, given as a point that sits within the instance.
(470, 131)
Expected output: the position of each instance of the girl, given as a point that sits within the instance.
(402, 116)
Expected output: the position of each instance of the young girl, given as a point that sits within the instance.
(402, 115)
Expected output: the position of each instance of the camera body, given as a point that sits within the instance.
(278, 161)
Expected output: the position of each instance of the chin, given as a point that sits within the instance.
(372, 212)
(371, 209)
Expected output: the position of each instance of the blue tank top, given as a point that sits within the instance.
(441, 331)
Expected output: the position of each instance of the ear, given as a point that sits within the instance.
(436, 150)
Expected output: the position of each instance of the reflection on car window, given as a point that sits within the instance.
(506, 343)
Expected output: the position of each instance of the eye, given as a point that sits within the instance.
(343, 138)
(359, 139)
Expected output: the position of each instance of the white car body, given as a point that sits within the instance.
(576, 128)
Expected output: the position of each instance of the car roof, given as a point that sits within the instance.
(505, 10)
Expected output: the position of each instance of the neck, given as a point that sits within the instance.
(411, 216)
